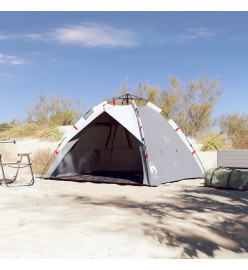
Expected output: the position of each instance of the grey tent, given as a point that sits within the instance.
(125, 144)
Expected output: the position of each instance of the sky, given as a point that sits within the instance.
(88, 55)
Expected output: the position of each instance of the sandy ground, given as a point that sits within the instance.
(58, 219)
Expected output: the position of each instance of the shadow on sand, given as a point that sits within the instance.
(200, 221)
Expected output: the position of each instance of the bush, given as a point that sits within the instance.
(212, 141)
(240, 141)
(55, 111)
(5, 126)
(235, 127)
(42, 160)
(190, 105)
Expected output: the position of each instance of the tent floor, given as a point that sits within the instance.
(105, 177)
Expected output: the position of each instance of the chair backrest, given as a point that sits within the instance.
(8, 151)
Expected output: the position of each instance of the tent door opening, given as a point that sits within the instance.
(105, 152)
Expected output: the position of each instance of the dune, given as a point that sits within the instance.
(59, 219)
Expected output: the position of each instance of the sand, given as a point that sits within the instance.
(58, 219)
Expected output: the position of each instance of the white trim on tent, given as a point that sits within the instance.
(99, 106)
(154, 107)
(178, 131)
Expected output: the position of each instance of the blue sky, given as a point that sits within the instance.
(88, 55)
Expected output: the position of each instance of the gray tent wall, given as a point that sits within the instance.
(168, 157)
(129, 138)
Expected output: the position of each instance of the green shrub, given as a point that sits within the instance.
(212, 141)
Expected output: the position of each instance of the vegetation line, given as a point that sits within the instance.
(190, 105)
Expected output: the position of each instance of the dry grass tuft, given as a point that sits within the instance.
(32, 130)
(42, 158)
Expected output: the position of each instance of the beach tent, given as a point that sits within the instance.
(125, 144)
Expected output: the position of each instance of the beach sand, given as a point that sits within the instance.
(60, 219)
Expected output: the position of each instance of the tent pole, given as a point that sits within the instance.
(143, 140)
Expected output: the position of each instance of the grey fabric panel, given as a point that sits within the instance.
(169, 159)
(59, 158)
(79, 162)
(126, 160)
(93, 137)
(120, 141)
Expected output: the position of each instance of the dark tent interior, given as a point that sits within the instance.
(105, 152)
